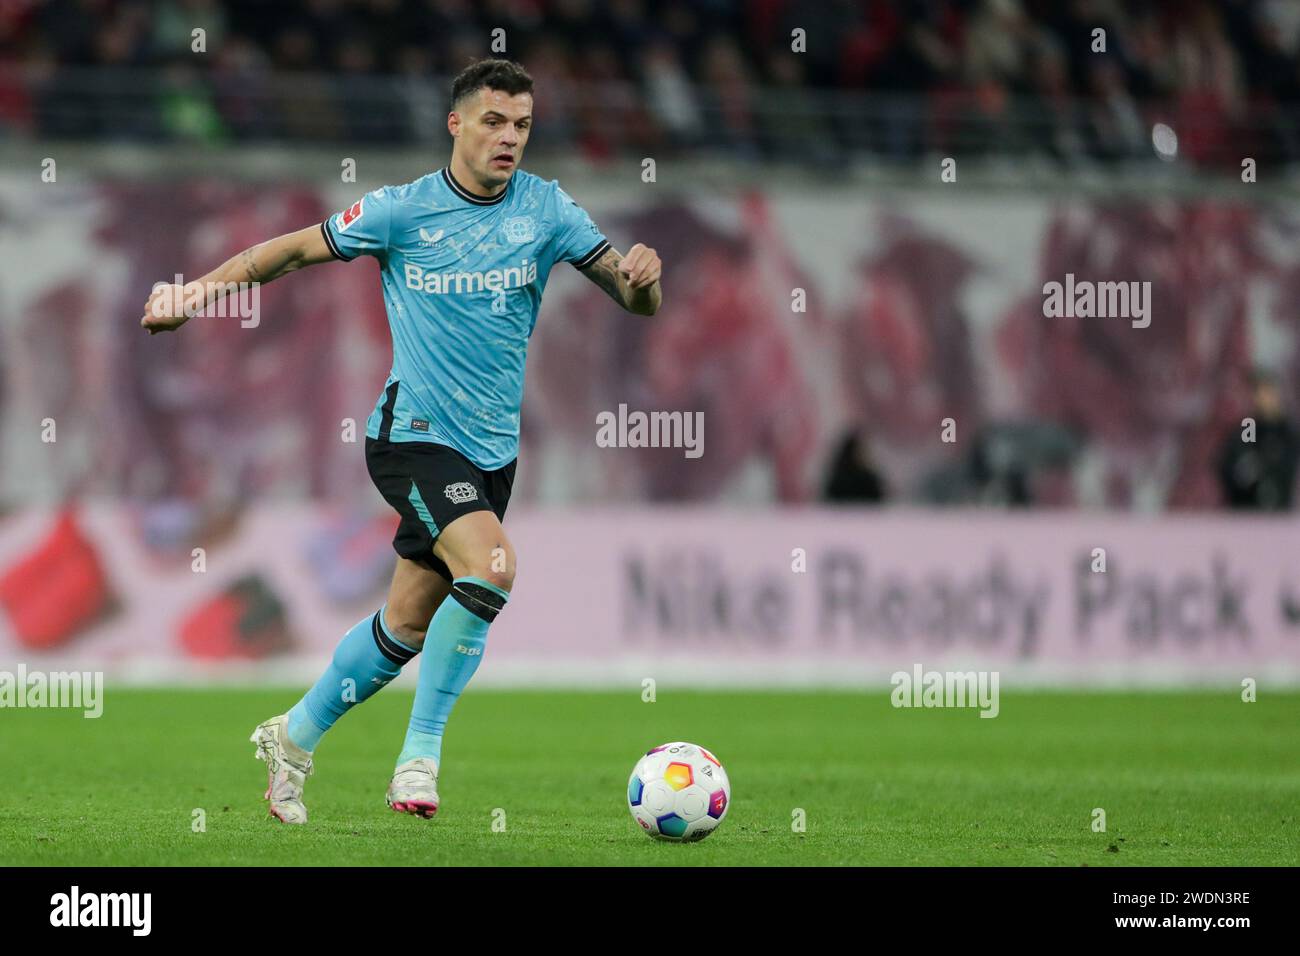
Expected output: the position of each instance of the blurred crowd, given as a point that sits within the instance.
(962, 75)
(1257, 467)
(925, 371)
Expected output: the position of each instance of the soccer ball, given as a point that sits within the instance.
(678, 792)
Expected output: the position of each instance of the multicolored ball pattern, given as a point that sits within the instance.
(678, 792)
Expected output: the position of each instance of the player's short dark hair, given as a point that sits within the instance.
(504, 75)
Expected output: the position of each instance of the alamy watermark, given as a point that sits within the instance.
(922, 688)
(77, 690)
(1086, 299)
(75, 908)
(637, 429)
(220, 300)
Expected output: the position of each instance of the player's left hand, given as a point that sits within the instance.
(641, 267)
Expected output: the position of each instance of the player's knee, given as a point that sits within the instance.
(503, 578)
(501, 568)
(497, 568)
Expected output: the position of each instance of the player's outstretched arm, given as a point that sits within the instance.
(631, 281)
(171, 306)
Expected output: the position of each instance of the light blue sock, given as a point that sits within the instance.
(366, 659)
(453, 648)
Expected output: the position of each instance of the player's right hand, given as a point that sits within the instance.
(165, 309)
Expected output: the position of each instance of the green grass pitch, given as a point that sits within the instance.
(1185, 778)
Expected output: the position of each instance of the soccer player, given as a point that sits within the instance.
(464, 254)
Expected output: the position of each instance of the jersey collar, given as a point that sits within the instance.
(468, 196)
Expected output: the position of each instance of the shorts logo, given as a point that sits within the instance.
(351, 214)
(419, 425)
(519, 229)
(460, 492)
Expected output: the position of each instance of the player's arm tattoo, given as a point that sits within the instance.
(251, 266)
(604, 272)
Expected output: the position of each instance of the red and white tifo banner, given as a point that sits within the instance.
(684, 596)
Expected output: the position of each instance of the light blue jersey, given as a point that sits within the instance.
(463, 279)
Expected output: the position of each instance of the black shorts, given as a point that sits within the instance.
(431, 486)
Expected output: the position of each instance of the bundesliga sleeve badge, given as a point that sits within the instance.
(351, 214)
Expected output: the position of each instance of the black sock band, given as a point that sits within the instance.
(399, 654)
(478, 600)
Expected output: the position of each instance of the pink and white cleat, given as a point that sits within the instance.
(414, 788)
(287, 769)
